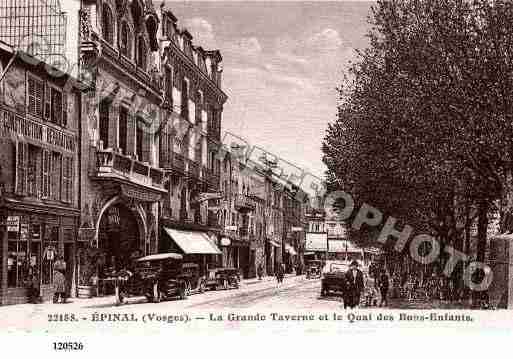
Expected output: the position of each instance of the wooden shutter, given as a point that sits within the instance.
(21, 149)
(46, 174)
(64, 121)
(56, 174)
(67, 179)
(56, 113)
(35, 96)
(48, 103)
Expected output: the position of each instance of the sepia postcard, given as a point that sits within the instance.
(185, 168)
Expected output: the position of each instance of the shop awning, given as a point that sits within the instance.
(192, 242)
(290, 249)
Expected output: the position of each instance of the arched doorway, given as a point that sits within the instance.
(119, 237)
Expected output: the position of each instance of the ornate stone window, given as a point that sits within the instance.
(107, 24)
(141, 53)
(125, 40)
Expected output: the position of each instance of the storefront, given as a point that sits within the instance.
(33, 240)
(196, 247)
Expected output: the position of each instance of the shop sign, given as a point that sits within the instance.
(13, 223)
(297, 229)
(86, 234)
(231, 228)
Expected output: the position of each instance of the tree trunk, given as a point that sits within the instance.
(482, 229)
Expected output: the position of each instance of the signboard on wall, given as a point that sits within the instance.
(13, 223)
(316, 242)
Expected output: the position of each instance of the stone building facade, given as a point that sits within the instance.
(39, 175)
(122, 185)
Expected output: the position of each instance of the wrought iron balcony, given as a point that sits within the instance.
(244, 203)
(174, 162)
(110, 164)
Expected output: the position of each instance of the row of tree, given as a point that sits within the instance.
(425, 122)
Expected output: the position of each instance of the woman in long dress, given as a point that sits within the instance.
(59, 283)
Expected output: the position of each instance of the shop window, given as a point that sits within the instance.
(49, 254)
(35, 89)
(18, 253)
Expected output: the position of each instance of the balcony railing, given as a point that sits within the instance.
(194, 169)
(174, 162)
(244, 203)
(210, 178)
(14, 123)
(110, 163)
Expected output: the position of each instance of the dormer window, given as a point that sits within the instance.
(125, 43)
(107, 24)
(141, 53)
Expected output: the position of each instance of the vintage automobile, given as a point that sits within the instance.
(313, 269)
(223, 278)
(334, 278)
(159, 277)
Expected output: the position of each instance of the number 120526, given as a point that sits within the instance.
(68, 346)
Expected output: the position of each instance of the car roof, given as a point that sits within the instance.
(160, 256)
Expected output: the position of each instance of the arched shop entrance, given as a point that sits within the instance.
(120, 238)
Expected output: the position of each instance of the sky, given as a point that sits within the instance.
(282, 62)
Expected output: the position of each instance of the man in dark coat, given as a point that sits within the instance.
(354, 282)
(383, 284)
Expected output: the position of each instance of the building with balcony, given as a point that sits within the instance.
(122, 184)
(189, 139)
(39, 175)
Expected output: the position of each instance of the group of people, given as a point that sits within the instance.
(358, 283)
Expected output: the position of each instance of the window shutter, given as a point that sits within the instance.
(66, 184)
(21, 167)
(31, 104)
(64, 122)
(48, 103)
(56, 112)
(56, 175)
(46, 174)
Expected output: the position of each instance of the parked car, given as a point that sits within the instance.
(159, 277)
(334, 278)
(224, 278)
(313, 269)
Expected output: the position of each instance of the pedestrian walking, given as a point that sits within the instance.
(260, 271)
(59, 281)
(355, 285)
(280, 273)
(383, 284)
